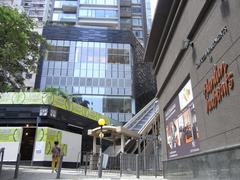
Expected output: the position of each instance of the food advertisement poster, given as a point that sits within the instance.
(181, 124)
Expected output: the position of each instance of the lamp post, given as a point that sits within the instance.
(101, 123)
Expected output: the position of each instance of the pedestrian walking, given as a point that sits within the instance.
(56, 151)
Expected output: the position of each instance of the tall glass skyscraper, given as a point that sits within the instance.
(96, 55)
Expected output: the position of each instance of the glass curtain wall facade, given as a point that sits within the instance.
(97, 73)
(98, 57)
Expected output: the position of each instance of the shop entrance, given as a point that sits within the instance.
(27, 144)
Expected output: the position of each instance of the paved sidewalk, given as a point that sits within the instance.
(43, 173)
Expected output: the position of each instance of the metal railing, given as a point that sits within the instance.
(16, 172)
(2, 156)
(148, 165)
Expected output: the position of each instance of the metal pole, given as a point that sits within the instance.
(101, 158)
(144, 154)
(86, 162)
(59, 167)
(163, 169)
(1, 163)
(137, 166)
(121, 163)
(17, 166)
(100, 167)
(155, 157)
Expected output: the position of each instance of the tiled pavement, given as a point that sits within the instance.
(44, 173)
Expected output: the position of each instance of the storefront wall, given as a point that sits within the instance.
(219, 130)
(11, 139)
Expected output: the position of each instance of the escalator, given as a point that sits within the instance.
(142, 123)
(142, 118)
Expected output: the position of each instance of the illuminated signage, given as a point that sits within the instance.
(212, 46)
(218, 86)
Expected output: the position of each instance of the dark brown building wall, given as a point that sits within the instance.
(219, 131)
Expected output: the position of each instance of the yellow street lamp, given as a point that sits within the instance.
(101, 123)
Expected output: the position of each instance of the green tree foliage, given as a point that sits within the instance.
(19, 48)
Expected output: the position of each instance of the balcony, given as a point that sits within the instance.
(125, 3)
(125, 14)
(66, 6)
(126, 26)
(68, 18)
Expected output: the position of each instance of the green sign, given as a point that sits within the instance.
(50, 99)
(41, 134)
(10, 134)
(52, 136)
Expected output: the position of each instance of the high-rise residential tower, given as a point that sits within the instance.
(95, 54)
(38, 10)
(12, 3)
(148, 15)
(113, 14)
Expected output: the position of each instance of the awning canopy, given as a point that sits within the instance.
(114, 131)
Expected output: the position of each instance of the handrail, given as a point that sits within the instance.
(2, 155)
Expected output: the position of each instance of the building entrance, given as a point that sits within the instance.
(27, 145)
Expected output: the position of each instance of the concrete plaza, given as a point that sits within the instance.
(44, 173)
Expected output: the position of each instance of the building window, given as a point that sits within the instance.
(120, 56)
(125, 9)
(138, 33)
(125, 20)
(136, 1)
(107, 104)
(99, 2)
(28, 76)
(119, 105)
(136, 10)
(98, 13)
(58, 53)
(137, 22)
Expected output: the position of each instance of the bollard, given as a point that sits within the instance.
(121, 163)
(59, 167)
(86, 163)
(155, 166)
(100, 166)
(1, 163)
(137, 166)
(17, 166)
